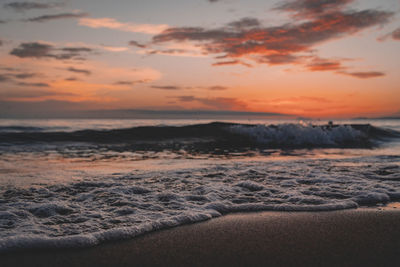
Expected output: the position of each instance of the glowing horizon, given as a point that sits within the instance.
(307, 58)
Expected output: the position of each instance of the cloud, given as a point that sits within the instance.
(311, 8)
(2, 21)
(11, 74)
(319, 64)
(137, 44)
(111, 23)
(35, 50)
(245, 23)
(81, 71)
(57, 16)
(4, 78)
(22, 6)
(43, 50)
(131, 83)
(214, 1)
(167, 87)
(335, 65)
(217, 88)
(296, 100)
(396, 34)
(34, 84)
(173, 87)
(282, 40)
(27, 94)
(76, 49)
(185, 98)
(232, 62)
(248, 40)
(26, 75)
(114, 48)
(364, 75)
(219, 103)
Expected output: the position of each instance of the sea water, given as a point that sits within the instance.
(78, 183)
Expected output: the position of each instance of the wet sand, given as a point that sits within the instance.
(362, 237)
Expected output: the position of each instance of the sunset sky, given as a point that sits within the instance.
(328, 58)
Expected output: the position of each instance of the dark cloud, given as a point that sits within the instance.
(1, 42)
(4, 78)
(137, 44)
(81, 71)
(311, 8)
(278, 59)
(219, 103)
(131, 82)
(2, 21)
(35, 50)
(167, 87)
(124, 83)
(325, 65)
(245, 23)
(42, 50)
(396, 34)
(72, 79)
(186, 98)
(290, 43)
(217, 88)
(76, 49)
(168, 52)
(57, 16)
(22, 6)
(11, 74)
(230, 62)
(26, 94)
(335, 65)
(282, 40)
(214, 1)
(365, 75)
(222, 103)
(34, 84)
(26, 75)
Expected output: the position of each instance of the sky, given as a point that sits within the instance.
(308, 58)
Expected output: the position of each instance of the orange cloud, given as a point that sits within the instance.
(111, 23)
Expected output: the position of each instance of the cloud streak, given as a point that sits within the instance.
(80, 71)
(167, 87)
(110, 23)
(364, 75)
(34, 84)
(219, 103)
(43, 50)
(45, 18)
(23, 6)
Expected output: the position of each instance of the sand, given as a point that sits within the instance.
(362, 237)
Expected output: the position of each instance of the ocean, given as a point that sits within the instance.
(78, 183)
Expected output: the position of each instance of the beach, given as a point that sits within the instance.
(361, 237)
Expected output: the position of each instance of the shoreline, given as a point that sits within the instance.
(366, 236)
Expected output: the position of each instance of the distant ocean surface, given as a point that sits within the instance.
(78, 183)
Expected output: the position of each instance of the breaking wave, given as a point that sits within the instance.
(214, 135)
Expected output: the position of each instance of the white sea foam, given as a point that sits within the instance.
(115, 207)
(285, 135)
